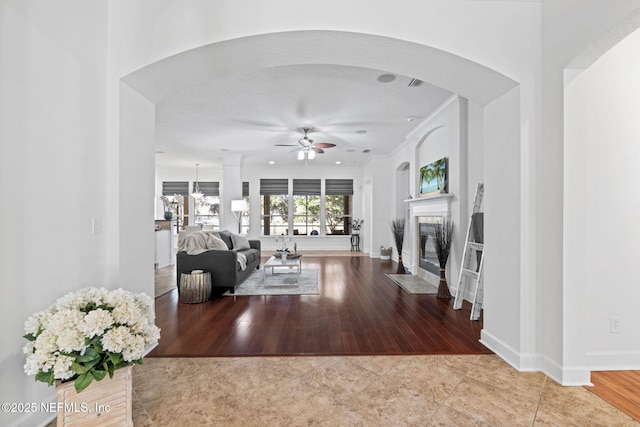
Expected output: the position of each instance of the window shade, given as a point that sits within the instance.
(245, 189)
(208, 189)
(274, 187)
(339, 187)
(169, 188)
(304, 187)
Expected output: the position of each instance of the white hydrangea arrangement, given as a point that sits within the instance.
(87, 334)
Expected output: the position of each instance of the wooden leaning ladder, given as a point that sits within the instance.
(471, 246)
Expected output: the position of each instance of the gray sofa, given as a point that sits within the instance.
(222, 264)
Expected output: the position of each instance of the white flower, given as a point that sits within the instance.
(62, 368)
(124, 322)
(116, 339)
(96, 322)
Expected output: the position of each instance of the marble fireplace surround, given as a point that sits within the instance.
(423, 209)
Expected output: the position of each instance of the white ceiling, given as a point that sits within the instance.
(250, 112)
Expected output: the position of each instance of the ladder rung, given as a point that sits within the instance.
(476, 246)
(470, 273)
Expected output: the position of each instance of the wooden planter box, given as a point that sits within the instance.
(103, 403)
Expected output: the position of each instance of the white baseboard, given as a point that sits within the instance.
(614, 360)
(522, 363)
(564, 375)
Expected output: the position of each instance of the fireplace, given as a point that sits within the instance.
(428, 259)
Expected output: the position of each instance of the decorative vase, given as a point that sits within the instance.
(443, 288)
(284, 256)
(168, 215)
(103, 403)
(400, 269)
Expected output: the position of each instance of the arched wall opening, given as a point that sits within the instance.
(492, 91)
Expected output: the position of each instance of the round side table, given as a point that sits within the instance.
(195, 287)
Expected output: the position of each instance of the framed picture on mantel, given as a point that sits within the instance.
(434, 177)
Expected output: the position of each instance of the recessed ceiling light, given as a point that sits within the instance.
(366, 151)
(271, 162)
(338, 162)
(386, 78)
(361, 131)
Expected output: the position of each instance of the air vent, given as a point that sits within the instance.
(415, 83)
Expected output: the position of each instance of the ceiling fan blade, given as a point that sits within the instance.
(317, 149)
(324, 145)
(286, 145)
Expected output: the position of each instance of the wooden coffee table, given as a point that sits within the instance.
(276, 262)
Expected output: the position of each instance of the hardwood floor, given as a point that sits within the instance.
(620, 388)
(359, 311)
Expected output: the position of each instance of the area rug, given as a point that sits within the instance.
(165, 280)
(280, 283)
(413, 284)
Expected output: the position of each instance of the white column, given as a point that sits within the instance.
(230, 189)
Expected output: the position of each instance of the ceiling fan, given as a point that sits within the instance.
(307, 149)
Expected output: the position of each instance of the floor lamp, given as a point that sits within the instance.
(238, 207)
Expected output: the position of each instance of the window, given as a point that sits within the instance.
(338, 205)
(307, 201)
(274, 203)
(176, 192)
(306, 205)
(207, 209)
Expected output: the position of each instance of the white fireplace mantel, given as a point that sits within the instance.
(438, 205)
(435, 205)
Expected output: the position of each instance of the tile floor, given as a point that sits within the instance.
(431, 390)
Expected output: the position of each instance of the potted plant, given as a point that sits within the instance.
(356, 224)
(397, 229)
(87, 335)
(442, 242)
(168, 213)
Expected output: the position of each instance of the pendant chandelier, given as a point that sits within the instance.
(197, 194)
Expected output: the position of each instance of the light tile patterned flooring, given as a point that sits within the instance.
(456, 391)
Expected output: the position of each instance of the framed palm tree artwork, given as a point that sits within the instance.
(434, 177)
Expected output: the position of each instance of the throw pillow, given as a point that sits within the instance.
(240, 242)
(225, 235)
(215, 242)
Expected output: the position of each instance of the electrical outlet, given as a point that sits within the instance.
(96, 225)
(614, 325)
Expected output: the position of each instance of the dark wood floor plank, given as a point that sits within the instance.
(359, 311)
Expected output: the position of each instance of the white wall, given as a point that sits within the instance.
(575, 32)
(135, 193)
(53, 174)
(602, 210)
(503, 305)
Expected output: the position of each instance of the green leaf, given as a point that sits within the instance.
(115, 358)
(83, 382)
(109, 368)
(98, 375)
(89, 355)
(30, 337)
(43, 376)
(78, 368)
